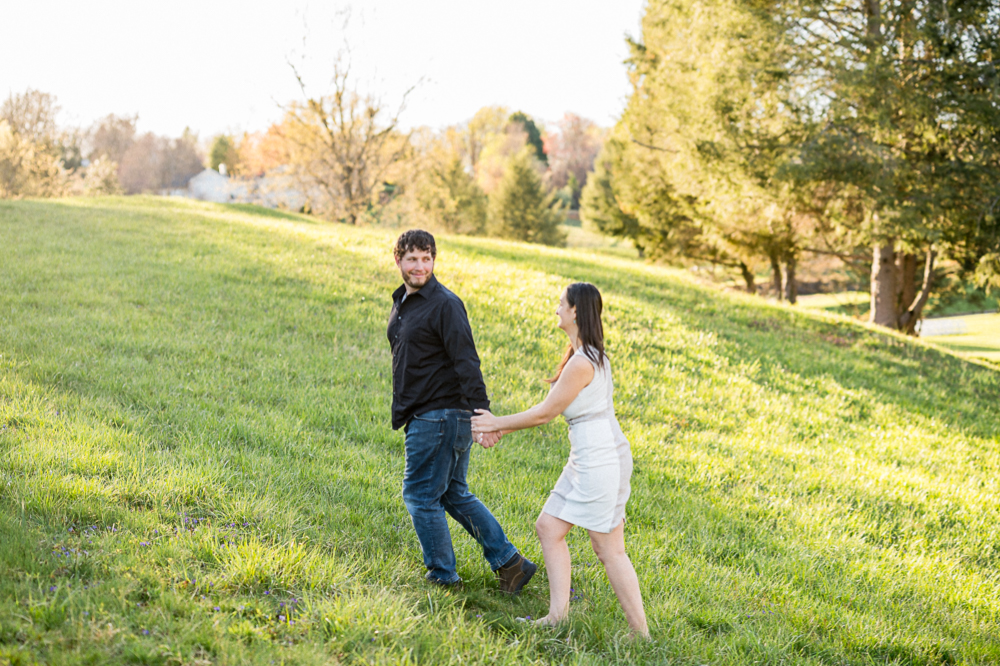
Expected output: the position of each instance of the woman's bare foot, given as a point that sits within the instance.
(547, 621)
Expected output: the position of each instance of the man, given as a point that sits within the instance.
(436, 383)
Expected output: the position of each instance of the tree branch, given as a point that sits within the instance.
(646, 145)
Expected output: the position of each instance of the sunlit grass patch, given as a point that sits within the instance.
(981, 338)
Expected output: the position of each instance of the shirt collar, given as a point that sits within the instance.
(425, 290)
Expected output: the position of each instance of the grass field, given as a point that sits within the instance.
(196, 464)
(981, 339)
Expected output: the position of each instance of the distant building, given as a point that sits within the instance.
(210, 185)
(276, 190)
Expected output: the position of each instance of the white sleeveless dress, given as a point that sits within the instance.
(594, 485)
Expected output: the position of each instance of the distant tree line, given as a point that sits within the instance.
(498, 174)
(38, 158)
(761, 131)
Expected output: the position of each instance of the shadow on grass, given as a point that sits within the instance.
(883, 365)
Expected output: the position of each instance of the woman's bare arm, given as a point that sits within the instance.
(577, 374)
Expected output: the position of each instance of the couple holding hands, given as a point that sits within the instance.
(440, 400)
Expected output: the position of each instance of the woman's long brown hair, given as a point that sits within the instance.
(590, 332)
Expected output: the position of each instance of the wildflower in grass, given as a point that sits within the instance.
(216, 609)
(281, 618)
(145, 632)
(52, 589)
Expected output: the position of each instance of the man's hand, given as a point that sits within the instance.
(488, 439)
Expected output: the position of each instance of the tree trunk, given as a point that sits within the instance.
(776, 276)
(883, 286)
(873, 12)
(748, 278)
(908, 320)
(907, 273)
(791, 286)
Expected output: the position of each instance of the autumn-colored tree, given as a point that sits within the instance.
(101, 178)
(111, 136)
(572, 151)
(497, 154)
(181, 160)
(261, 152)
(483, 130)
(152, 163)
(31, 151)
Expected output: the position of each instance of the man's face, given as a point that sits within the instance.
(416, 266)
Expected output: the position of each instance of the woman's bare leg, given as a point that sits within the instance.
(610, 550)
(552, 533)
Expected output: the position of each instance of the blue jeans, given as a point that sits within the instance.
(437, 459)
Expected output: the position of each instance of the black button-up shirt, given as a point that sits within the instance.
(434, 360)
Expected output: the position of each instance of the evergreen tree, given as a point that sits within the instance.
(519, 207)
(906, 147)
(708, 127)
(776, 127)
(223, 151)
(600, 206)
(534, 134)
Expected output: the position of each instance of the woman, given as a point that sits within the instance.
(594, 485)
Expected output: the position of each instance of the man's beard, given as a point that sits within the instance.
(410, 283)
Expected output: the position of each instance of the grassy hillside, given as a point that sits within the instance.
(196, 464)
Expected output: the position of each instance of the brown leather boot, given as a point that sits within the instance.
(516, 574)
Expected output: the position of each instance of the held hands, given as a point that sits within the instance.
(487, 439)
(484, 429)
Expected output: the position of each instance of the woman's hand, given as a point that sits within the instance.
(484, 421)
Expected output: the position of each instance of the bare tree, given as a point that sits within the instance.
(572, 152)
(32, 116)
(111, 137)
(343, 144)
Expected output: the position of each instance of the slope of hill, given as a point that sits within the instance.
(196, 464)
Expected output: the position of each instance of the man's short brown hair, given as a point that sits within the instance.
(415, 239)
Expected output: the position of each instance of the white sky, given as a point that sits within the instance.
(222, 65)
